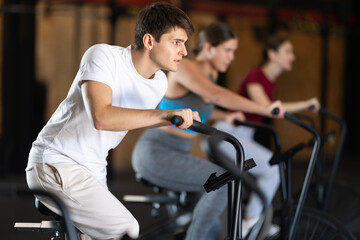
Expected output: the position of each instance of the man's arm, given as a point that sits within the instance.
(98, 98)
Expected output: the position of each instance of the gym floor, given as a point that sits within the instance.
(344, 204)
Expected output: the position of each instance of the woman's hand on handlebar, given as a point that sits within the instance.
(230, 117)
(314, 104)
(276, 109)
(187, 115)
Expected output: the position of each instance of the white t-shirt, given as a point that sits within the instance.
(70, 134)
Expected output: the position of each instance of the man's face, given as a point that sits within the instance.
(169, 51)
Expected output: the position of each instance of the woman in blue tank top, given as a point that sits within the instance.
(162, 156)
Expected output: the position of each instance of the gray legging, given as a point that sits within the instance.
(267, 176)
(165, 160)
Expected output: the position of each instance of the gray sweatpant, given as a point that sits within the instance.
(165, 160)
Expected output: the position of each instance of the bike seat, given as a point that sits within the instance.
(147, 183)
(44, 210)
(171, 197)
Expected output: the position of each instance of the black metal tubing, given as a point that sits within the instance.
(269, 129)
(234, 188)
(234, 208)
(324, 204)
(276, 154)
(236, 171)
(215, 182)
(337, 155)
(286, 174)
(309, 172)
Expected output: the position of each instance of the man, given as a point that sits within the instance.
(115, 90)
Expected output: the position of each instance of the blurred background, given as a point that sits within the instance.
(42, 42)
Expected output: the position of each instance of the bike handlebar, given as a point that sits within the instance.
(266, 215)
(309, 173)
(196, 126)
(176, 120)
(337, 154)
(267, 128)
(211, 131)
(275, 111)
(217, 136)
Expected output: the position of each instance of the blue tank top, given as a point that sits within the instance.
(189, 100)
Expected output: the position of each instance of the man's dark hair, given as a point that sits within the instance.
(159, 18)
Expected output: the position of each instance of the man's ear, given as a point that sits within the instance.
(148, 41)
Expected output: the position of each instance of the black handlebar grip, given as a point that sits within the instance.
(176, 120)
(202, 128)
(275, 111)
(196, 126)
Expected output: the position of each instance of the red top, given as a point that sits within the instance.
(256, 75)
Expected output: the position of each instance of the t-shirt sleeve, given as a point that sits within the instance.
(97, 64)
(252, 77)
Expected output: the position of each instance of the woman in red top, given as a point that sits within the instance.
(259, 86)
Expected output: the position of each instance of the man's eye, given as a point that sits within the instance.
(176, 42)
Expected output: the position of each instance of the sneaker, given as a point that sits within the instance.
(249, 224)
(273, 230)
